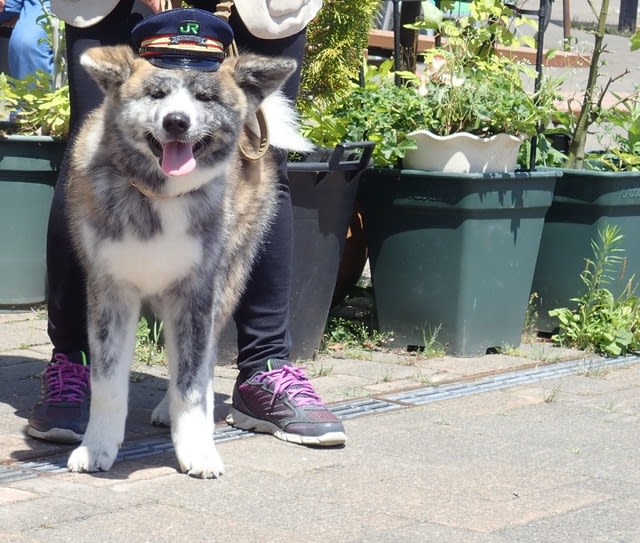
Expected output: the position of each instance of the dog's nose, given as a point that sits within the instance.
(176, 124)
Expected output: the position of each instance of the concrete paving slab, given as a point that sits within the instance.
(479, 476)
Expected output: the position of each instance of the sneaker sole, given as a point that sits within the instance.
(245, 422)
(56, 435)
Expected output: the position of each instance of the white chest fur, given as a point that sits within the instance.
(150, 265)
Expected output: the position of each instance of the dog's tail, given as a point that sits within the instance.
(283, 125)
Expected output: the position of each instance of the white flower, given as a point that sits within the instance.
(436, 70)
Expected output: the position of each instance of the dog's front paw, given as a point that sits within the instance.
(92, 458)
(200, 461)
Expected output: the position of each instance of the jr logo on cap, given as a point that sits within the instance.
(189, 27)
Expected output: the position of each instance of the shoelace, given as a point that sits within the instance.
(67, 381)
(293, 382)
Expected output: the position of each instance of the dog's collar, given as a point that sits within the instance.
(264, 139)
(153, 195)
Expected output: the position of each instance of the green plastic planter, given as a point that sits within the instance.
(453, 250)
(583, 203)
(28, 171)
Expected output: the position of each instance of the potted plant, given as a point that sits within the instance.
(466, 88)
(453, 251)
(597, 188)
(482, 105)
(32, 141)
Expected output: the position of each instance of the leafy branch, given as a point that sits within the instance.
(601, 322)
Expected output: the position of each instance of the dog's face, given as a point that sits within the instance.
(181, 120)
(179, 117)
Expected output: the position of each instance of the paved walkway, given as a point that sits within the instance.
(499, 448)
(616, 60)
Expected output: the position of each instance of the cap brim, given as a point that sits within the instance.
(182, 63)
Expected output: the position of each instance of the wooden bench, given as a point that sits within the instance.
(383, 39)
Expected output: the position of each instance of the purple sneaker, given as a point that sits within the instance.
(62, 412)
(281, 401)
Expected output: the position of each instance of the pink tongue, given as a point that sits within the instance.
(177, 158)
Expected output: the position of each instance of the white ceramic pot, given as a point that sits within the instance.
(463, 152)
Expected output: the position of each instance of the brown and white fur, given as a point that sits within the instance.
(163, 207)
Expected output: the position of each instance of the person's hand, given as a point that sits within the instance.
(1, 5)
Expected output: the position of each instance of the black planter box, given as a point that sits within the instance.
(323, 192)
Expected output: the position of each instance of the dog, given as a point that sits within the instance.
(164, 207)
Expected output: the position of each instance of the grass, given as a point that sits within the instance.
(359, 353)
(540, 351)
(425, 380)
(432, 347)
(355, 393)
(342, 333)
(588, 26)
(149, 347)
(594, 370)
(320, 370)
(551, 395)
(530, 333)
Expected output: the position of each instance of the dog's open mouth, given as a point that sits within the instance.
(176, 157)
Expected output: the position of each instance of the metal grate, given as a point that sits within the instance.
(506, 380)
(355, 408)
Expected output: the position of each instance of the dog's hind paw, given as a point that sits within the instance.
(205, 463)
(160, 415)
(88, 459)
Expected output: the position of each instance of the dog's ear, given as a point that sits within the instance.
(110, 66)
(260, 76)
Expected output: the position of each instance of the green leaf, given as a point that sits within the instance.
(635, 41)
(551, 53)
(529, 41)
(431, 15)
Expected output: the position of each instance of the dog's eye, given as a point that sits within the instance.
(156, 94)
(204, 96)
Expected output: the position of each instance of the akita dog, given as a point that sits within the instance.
(164, 207)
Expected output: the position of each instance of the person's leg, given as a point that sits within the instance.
(62, 412)
(66, 294)
(262, 317)
(270, 394)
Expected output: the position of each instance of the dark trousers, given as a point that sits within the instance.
(262, 316)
